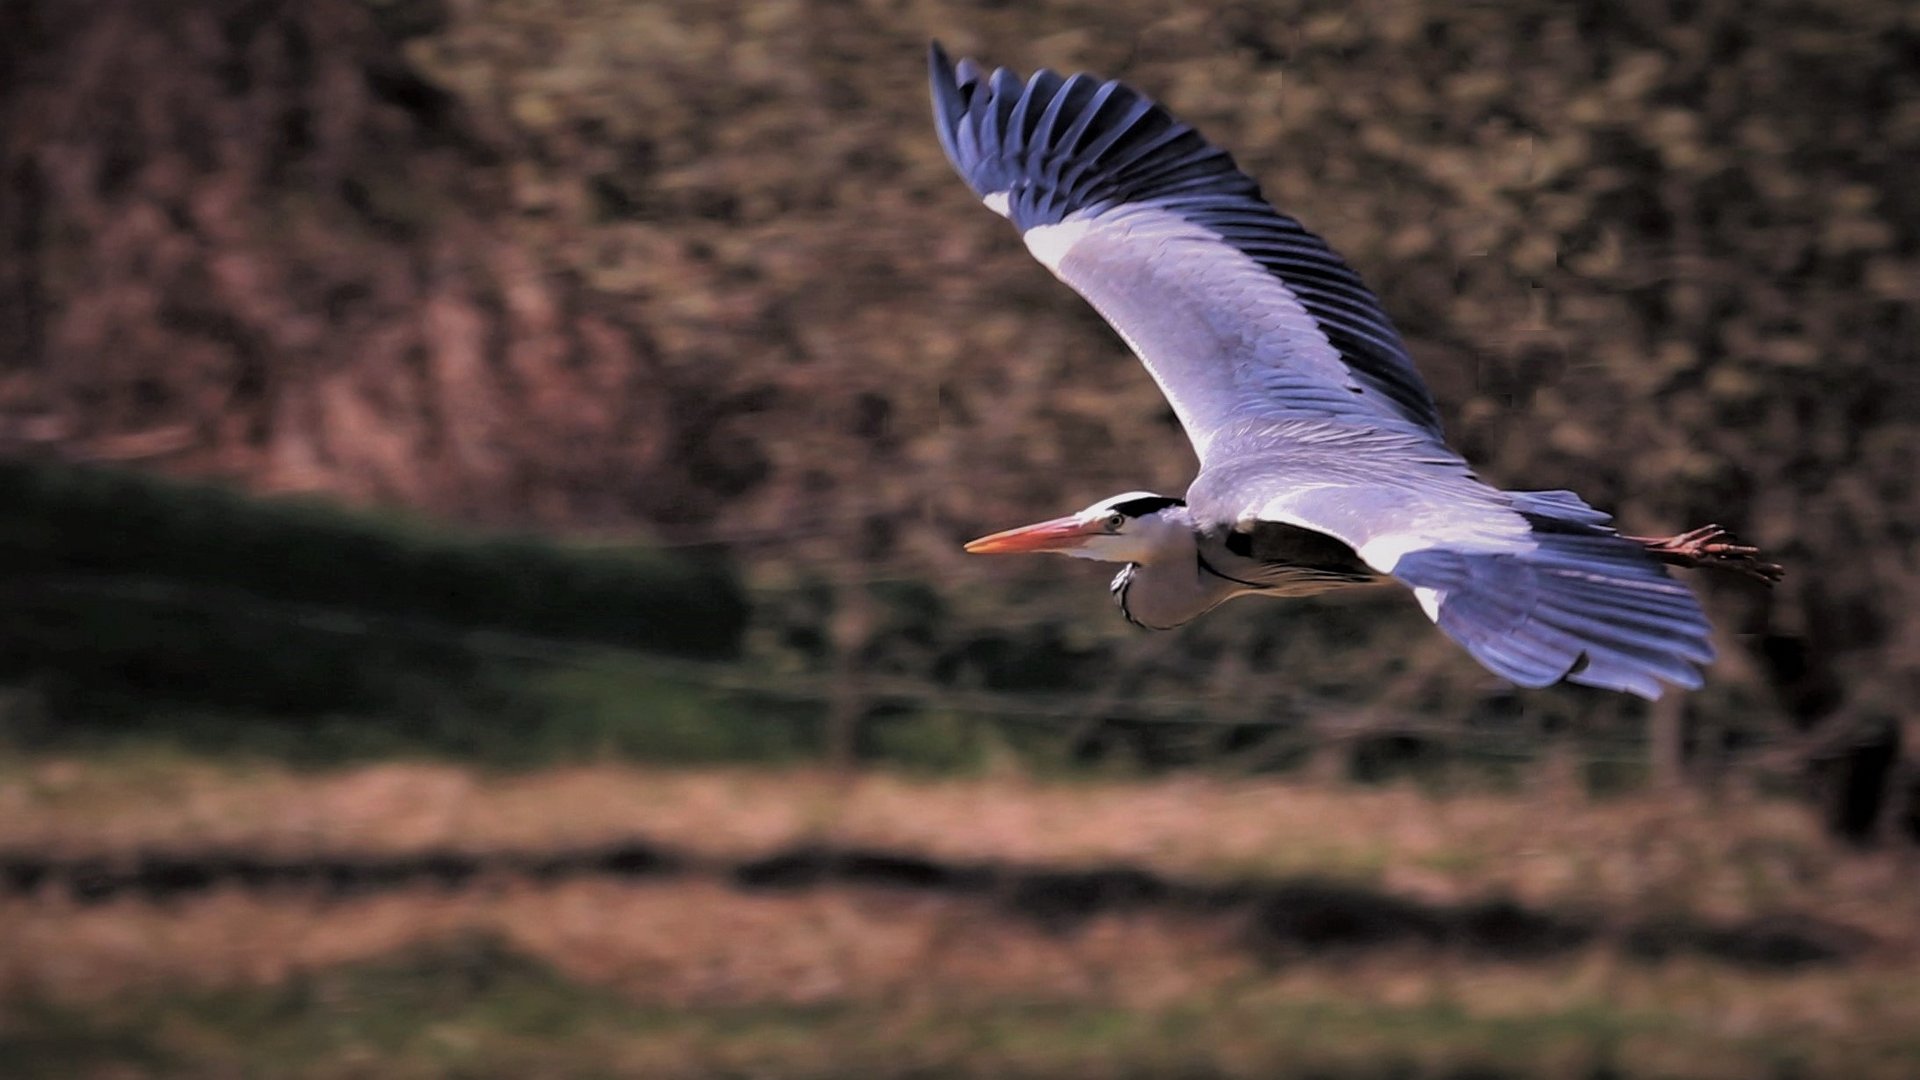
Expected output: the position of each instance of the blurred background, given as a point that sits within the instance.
(483, 483)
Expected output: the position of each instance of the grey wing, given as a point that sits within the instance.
(1535, 585)
(1236, 310)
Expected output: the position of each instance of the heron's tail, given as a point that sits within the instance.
(1585, 605)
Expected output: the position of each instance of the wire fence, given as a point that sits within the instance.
(1272, 725)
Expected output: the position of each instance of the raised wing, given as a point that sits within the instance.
(1236, 310)
(1535, 585)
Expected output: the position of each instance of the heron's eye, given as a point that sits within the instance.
(1115, 520)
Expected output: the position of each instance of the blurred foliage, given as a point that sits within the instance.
(698, 265)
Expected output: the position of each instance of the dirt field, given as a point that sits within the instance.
(184, 918)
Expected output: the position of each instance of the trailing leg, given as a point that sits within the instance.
(1711, 547)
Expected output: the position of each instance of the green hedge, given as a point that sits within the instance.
(65, 523)
(135, 605)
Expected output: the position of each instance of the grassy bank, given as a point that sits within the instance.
(470, 1007)
(1548, 846)
(701, 972)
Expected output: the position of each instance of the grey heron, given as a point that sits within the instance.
(1322, 460)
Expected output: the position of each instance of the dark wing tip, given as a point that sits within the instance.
(1061, 143)
(949, 104)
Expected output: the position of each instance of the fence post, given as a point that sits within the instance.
(849, 629)
(1666, 742)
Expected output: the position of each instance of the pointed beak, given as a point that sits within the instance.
(1060, 534)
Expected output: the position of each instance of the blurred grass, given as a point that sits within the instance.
(472, 1007)
(1632, 859)
(696, 975)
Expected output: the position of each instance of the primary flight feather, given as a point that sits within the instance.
(1322, 460)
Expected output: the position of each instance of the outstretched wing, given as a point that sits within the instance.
(1535, 585)
(1236, 310)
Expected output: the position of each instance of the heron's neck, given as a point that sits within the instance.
(1173, 588)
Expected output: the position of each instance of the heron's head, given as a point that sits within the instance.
(1137, 527)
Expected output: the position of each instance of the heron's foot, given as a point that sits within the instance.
(1712, 547)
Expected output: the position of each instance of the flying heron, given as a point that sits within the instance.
(1322, 462)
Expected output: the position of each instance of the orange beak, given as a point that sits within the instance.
(1060, 534)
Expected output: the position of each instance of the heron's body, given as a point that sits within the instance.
(1323, 464)
(1269, 560)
